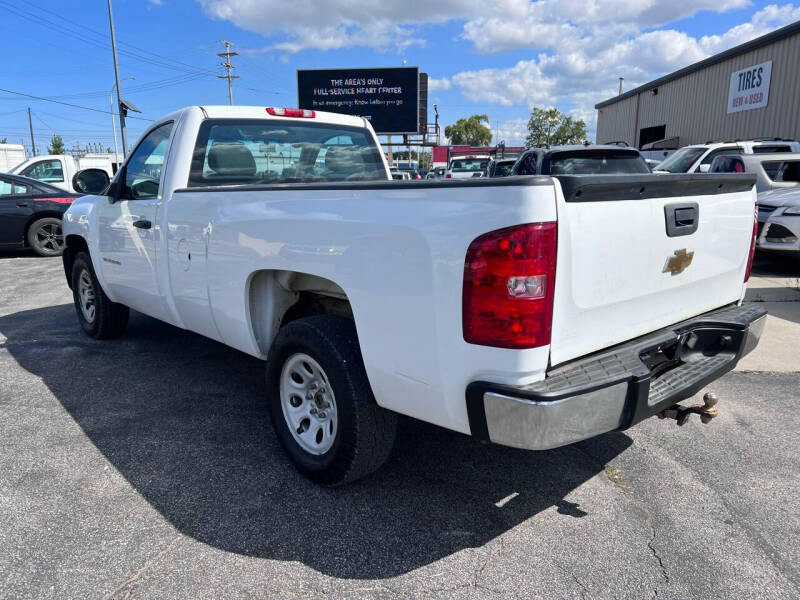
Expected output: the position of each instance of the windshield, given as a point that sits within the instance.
(597, 162)
(782, 171)
(681, 161)
(468, 164)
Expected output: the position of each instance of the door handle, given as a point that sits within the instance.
(22, 204)
(681, 218)
(142, 224)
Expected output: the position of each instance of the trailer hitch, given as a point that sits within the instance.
(681, 414)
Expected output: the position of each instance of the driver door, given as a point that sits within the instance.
(128, 231)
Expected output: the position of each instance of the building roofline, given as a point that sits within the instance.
(759, 42)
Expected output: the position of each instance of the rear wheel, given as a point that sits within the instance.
(321, 403)
(45, 237)
(99, 317)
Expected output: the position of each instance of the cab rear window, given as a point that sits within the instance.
(248, 151)
(596, 162)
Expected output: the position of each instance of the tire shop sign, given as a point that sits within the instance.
(749, 88)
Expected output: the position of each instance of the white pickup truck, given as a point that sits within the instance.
(59, 169)
(530, 311)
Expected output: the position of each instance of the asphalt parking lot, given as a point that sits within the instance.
(145, 467)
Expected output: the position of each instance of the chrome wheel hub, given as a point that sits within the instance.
(86, 296)
(308, 404)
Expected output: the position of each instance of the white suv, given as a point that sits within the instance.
(697, 158)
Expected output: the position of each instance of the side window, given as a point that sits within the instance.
(715, 153)
(49, 171)
(527, 166)
(8, 188)
(770, 149)
(727, 164)
(143, 170)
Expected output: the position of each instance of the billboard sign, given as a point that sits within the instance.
(749, 88)
(387, 97)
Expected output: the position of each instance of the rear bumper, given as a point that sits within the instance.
(616, 388)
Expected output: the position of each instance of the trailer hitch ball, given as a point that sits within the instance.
(707, 410)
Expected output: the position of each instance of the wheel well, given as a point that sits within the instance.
(73, 245)
(280, 297)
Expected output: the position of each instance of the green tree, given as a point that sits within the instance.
(470, 132)
(4, 141)
(552, 127)
(56, 145)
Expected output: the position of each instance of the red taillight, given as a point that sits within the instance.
(291, 112)
(752, 247)
(509, 276)
(448, 176)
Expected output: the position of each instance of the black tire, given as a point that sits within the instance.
(45, 237)
(365, 432)
(108, 319)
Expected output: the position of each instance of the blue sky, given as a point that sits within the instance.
(498, 57)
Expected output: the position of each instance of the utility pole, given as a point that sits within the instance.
(30, 124)
(228, 66)
(119, 88)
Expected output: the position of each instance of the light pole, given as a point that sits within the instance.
(111, 105)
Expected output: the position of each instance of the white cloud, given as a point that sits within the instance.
(310, 24)
(435, 84)
(584, 70)
(513, 131)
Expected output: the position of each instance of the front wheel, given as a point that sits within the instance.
(321, 403)
(99, 317)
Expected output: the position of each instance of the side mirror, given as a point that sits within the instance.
(90, 181)
(704, 168)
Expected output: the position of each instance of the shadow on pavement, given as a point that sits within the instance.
(774, 265)
(183, 419)
(25, 253)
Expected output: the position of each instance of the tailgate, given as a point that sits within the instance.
(620, 274)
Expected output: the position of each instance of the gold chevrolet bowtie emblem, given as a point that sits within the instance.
(677, 264)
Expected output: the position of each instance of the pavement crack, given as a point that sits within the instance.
(584, 590)
(126, 589)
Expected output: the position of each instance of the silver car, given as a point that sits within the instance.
(778, 187)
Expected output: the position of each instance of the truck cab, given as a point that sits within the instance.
(59, 169)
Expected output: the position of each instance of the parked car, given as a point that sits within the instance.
(521, 311)
(436, 173)
(500, 167)
(399, 175)
(412, 173)
(778, 186)
(697, 158)
(464, 167)
(59, 169)
(587, 159)
(30, 215)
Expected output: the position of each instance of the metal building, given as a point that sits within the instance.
(750, 91)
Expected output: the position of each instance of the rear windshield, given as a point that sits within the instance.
(468, 164)
(597, 162)
(239, 151)
(782, 170)
(681, 161)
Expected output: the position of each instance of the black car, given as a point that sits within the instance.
(30, 215)
(588, 159)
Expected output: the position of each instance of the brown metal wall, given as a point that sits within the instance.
(694, 107)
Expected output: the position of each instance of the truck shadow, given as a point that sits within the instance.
(183, 419)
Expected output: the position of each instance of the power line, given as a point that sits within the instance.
(105, 112)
